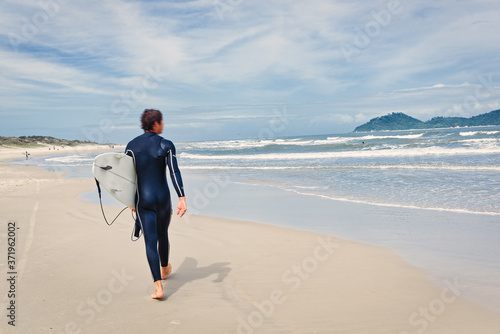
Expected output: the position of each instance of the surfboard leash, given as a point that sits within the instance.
(102, 209)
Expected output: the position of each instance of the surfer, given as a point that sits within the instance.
(152, 154)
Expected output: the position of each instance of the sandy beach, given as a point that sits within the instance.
(74, 274)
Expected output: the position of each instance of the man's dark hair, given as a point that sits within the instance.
(149, 117)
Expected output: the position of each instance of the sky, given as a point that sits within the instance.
(238, 69)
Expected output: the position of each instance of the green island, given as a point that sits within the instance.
(401, 121)
(40, 141)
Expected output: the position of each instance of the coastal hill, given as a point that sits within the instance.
(400, 121)
(39, 141)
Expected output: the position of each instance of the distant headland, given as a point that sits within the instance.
(39, 141)
(401, 121)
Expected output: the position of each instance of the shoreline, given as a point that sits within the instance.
(11, 177)
(439, 245)
(273, 279)
(447, 245)
(10, 153)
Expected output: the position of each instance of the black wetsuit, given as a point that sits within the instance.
(152, 154)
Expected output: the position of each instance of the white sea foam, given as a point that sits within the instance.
(340, 140)
(335, 140)
(475, 133)
(293, 142)
(481, 143)
(363, 167)
(373, 137)
(70, 159)
(393, 205)
(248, 144)
(254, 143)
(369, 153)
(226, 144)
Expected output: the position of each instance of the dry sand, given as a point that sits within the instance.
(7, 153)
(75, 274)
(13, 177)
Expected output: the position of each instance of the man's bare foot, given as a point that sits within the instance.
(165, 271)
(158, 291)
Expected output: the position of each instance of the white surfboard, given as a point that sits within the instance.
(116, 173)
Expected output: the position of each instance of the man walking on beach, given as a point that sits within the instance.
(152, 154)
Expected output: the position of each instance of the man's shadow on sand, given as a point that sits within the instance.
(189, 271)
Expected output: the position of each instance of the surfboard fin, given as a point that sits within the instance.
(108, 167)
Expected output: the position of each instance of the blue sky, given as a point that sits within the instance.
(229, 69)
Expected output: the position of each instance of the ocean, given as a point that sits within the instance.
(446, 169)
(430, 195)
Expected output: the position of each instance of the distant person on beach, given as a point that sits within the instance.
(27, 154)
(152, 154)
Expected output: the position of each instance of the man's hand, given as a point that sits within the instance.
(181, 207)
